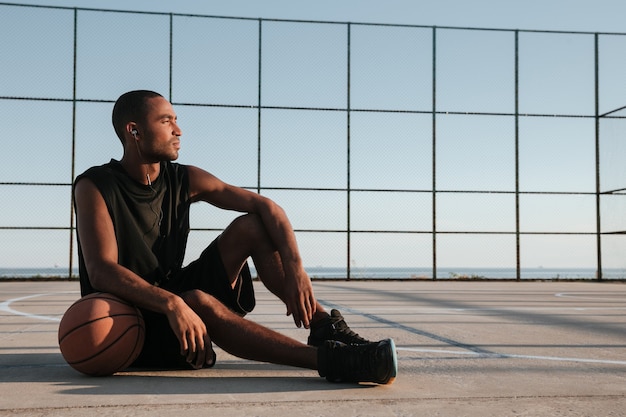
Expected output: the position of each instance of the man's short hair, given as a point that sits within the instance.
(130, 107)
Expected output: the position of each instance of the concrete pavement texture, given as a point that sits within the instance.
(464, 349)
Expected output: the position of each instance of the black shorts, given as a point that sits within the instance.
(207, 273)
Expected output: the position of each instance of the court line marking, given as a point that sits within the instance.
(610, 296)
(468, 349)
(409, 329)
(515, 356)
(6, 307)
(439, 310)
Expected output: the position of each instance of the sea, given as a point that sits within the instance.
(380, 273)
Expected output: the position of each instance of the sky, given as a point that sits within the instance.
(568, 15)
(481, 87)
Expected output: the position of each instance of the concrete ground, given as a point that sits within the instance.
(464, 349)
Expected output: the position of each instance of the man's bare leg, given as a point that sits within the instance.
(374, 362)
(246, 237)
(247, 339)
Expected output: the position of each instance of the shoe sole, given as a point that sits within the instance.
(394, 363)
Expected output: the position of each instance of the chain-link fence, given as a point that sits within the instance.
(398, 151)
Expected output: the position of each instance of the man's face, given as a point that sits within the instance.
(161, 134)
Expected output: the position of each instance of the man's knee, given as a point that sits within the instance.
(246, 233)
(249, 224)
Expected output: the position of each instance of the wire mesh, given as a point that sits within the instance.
(399, 151)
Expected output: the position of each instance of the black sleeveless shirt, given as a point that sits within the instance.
(151, 222)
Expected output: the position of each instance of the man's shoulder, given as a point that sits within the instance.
(176, 170)
(98, 170)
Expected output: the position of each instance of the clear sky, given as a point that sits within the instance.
(569, 15)
(481, 85)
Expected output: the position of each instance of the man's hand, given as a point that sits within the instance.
(195, 343)
(299, 298)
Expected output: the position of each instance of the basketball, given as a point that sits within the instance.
(101, 334)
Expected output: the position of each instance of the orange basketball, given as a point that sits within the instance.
(101, 334)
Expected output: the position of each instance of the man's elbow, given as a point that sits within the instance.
(100, 276)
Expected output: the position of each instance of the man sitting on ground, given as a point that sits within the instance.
(132, 226)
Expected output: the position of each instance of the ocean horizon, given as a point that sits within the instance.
(381, 273)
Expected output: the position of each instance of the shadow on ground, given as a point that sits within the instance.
(236, 377)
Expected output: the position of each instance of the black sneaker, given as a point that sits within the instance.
(334, 328)
(374, 362)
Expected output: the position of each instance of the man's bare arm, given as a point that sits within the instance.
(99, 247)
(300, 300)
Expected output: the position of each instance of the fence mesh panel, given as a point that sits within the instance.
(399, 151)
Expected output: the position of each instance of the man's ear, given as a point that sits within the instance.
(132, 129)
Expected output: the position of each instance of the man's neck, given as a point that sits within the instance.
(141, 172)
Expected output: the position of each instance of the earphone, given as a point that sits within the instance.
(134, 133)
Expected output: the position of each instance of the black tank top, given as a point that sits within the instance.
(151, 222)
